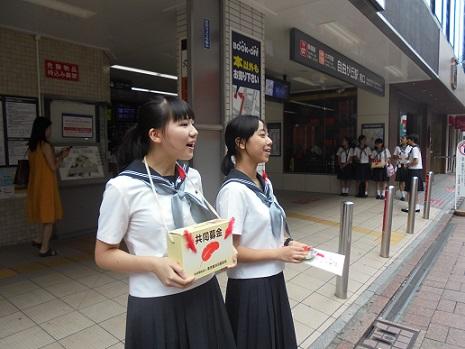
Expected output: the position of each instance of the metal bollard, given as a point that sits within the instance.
(412, 205)
(345, 240)
(387, 222)
(426, 207)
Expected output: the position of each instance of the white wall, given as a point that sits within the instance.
(373, 109)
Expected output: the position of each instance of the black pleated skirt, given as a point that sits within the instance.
(362, 172)
(195, 319)
(345, 173)
(379, 174)
(260, 313)
(410, 175)
(401, 174)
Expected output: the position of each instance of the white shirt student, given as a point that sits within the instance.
(363, 154)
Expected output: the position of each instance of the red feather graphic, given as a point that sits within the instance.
(229, 229)
(189, 241)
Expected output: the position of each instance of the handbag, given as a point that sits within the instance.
(390, 170)
(378, 163)
(22, 174)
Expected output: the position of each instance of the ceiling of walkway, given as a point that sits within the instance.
(142, 34)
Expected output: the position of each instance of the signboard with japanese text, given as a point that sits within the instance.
(20, 114)
(314, 54)
(77, 126)
(61, 70)
(460, 172)
(246, 74)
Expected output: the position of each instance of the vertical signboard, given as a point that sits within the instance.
(459, 172)
(245, 75)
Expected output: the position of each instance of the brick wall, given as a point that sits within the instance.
(18, 74)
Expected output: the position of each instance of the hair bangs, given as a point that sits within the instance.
(180, 110)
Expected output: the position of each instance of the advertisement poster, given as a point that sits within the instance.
(77, 126)
(83, 162)
(246, 75)
(184, 70)
(372, 132)
(16, 151)
(403, 126)
(20, 114)
(2, 138)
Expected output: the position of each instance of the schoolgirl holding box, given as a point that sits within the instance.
(256, 296)
(166, 308)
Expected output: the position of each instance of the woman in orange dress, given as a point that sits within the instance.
(43, 199)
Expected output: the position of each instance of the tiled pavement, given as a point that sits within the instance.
(438, 307)
(66, 301)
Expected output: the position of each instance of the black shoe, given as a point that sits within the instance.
(381, 197)
(360, 195)
(405, 210)
(345, 194)
(342, 194)
(402, 199)
(378, 197)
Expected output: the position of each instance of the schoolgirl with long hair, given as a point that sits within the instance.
(256, 295)
(151, 196)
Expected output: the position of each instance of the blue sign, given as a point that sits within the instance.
(206, 33)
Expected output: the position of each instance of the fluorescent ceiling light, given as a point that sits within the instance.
(305, 81)
(394, 70)
(311, 105)
(63, 7)
(153, 91)
(341, 32)
(142, 71)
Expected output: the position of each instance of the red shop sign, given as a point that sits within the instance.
(61, 70)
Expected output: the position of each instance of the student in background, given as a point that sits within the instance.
(380, 158)
(400, 155)
(344, 160)
(415, 168)
(361, 158)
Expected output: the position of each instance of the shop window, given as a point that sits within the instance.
(314, 125)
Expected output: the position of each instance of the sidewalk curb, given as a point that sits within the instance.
(357, 319)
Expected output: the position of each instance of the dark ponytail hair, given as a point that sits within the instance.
(155, 113)
(242, 127)
(39, 127)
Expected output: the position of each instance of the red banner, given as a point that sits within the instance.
(61, 70)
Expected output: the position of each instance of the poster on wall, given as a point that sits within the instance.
(20, 114)
(245, 75)
(372, 132)
(83, 162)
(459, 172)
(77, 125)
(2, 138)
(403, 126)
(16, 151)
